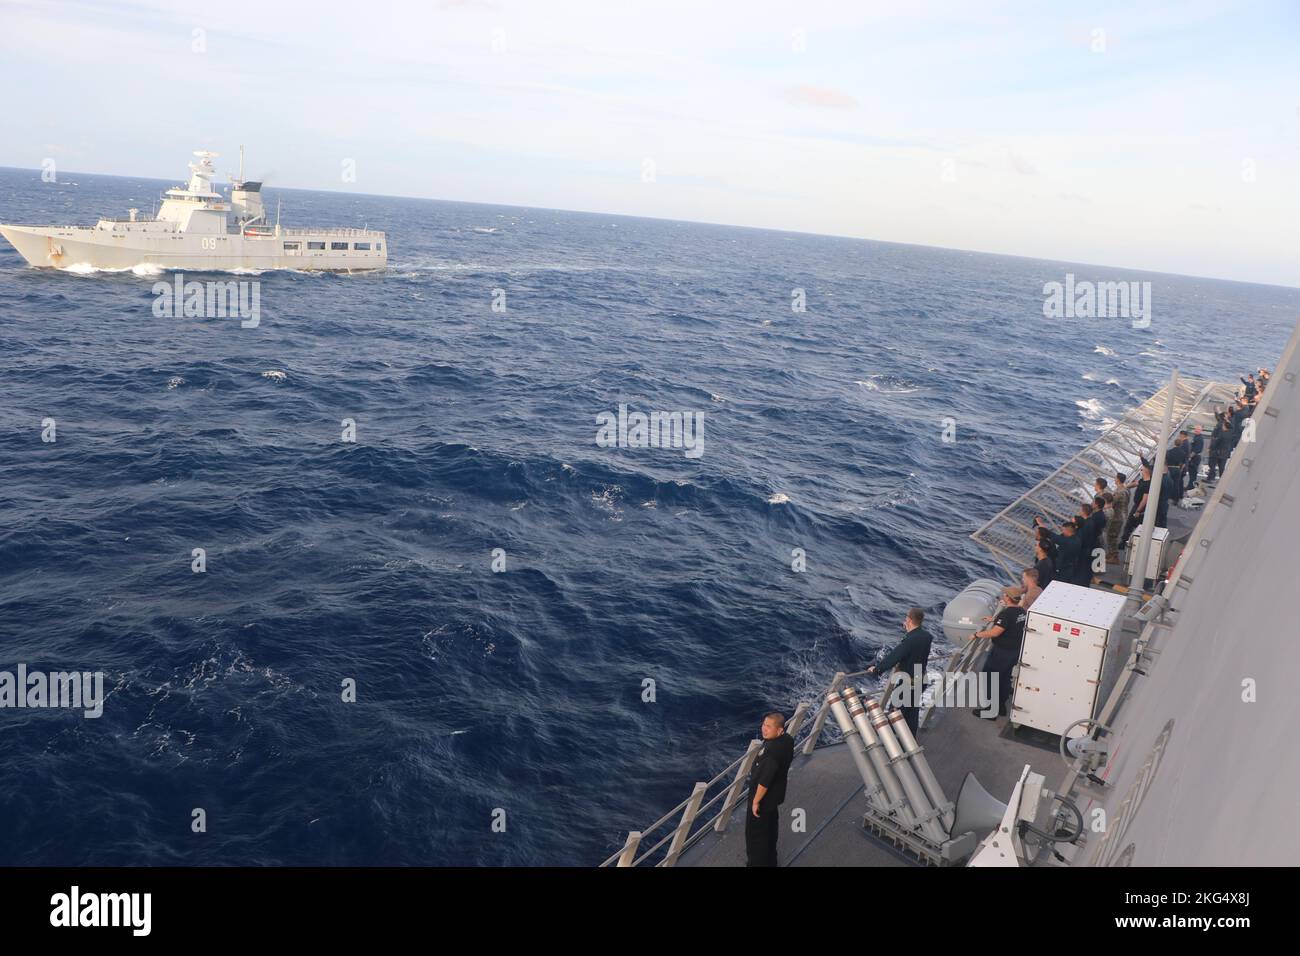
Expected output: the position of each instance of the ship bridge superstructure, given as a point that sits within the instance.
(196, 208)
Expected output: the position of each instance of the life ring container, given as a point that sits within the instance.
(965, 613)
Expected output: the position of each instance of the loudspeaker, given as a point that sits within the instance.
(978, 811)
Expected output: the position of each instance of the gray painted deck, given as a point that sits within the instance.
(826, 785)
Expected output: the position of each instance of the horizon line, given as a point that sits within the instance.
(726, 225)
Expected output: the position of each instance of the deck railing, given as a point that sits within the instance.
(1009, 535)
(339, 231)
(712, 802)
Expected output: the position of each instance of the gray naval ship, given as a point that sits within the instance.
(199, 229)
(1153, 716)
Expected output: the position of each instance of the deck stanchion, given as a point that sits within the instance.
(811, 743)
(1133, 600)
(742, 772)
(684, 828)
(796, 721)
(628, 856)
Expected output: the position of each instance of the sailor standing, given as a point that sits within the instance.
(1005, 634)
(767, 792)
(1218, 446)
(1197, 447)
(1069, 553)
(1175, 459)
(910, 656)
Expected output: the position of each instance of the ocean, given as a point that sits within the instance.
(648, 612)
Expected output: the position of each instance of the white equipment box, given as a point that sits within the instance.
(1155, 558)
(1067, 634)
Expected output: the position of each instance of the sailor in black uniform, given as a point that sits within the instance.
(1005, 632)
(1139, 502)
(1044, 566)
(1068, 553)
(910, 656)
(767, 792)
(1093, 533)
(1219, 446)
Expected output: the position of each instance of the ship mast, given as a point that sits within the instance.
(237, 181)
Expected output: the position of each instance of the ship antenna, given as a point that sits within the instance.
(241, 165)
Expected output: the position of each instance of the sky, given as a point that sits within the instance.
(1146, 135)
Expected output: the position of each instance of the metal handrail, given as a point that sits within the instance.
(1114, 447)
(693, 838)
(333, 231)
(696, 827)
(650, 829)
(694, 824)
(1059, 493)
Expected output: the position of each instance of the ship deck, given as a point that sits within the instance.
(826, 786)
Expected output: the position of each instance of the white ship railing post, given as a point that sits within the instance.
(684, 828)
(742, 772)
(628, 856)
(796, 721)
(811, 743)
(1137, 583)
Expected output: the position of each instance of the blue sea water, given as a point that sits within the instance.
(519, 691)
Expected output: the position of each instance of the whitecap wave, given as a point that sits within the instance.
(888, 385)
(1090, 408)
(275, 375)
(607, 500)
(778, 499)
(1103, 350)
(142, 269)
